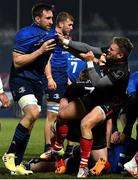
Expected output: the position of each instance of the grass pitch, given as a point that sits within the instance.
(34, 149)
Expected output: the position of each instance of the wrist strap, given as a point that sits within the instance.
(66, 42)
(90, 64)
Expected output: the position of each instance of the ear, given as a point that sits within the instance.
(120, 55)
(37, 19)
(60, 24)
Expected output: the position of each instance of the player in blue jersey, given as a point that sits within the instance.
(75, 67)
(57, 78)
(32, 48)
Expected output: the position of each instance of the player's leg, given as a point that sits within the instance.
(52, 110)
(96, 116)
(53, 98)
(30, 108)
(39, 165)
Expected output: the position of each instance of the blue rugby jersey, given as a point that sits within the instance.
(28, 40)
(132, 87)
(75, 67)
(59, 65)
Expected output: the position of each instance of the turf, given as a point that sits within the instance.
(34, 149)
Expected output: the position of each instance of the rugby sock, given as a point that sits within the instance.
(57, 146)
(20, 133)
(20, 151)
(69, 149)
(61, 132)
(85, 148)
(47, 147)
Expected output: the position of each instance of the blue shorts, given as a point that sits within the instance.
(21, 86)
(56, 95)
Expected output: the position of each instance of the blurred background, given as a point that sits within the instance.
(96, 22)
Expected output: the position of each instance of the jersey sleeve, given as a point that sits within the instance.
(23, 42)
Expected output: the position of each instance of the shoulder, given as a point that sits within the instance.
(25, 32)
(32, 31)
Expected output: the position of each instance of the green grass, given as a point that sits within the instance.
(34, 149)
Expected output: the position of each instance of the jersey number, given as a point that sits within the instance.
(74, 65)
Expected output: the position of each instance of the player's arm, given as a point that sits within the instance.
(79, 46)
(83, 47)
(96, 79)
(48, 73)
(21, 60)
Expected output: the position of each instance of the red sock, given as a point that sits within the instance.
(85, 147)
(61, 132)
(57, 146)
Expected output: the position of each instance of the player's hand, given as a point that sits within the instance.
(89, 56)
(69, 82)
(102, 59)
(47, 46)
(115, 137)
(4, 100)
(60, 38)
(51, 84)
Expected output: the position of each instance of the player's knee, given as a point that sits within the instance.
(29, 105)
(85, 125)
(34, 112)
(91, 120)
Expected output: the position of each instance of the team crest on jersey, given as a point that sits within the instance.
(56, 96)
(21, 89)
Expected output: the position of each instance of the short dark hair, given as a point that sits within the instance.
(124, 44)
(63, 16)
(38, 8)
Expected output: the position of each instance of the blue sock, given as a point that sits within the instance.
(69, 149)
(47, 147)
(20, 153)
(18, 139)
(27, 166)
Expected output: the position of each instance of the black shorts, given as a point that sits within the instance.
(89, 101)
(99, 134)
(76, 90)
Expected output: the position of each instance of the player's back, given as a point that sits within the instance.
(75, 67)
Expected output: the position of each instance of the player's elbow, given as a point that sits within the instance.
(17, 65)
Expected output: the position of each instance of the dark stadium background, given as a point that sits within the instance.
(96, 22)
